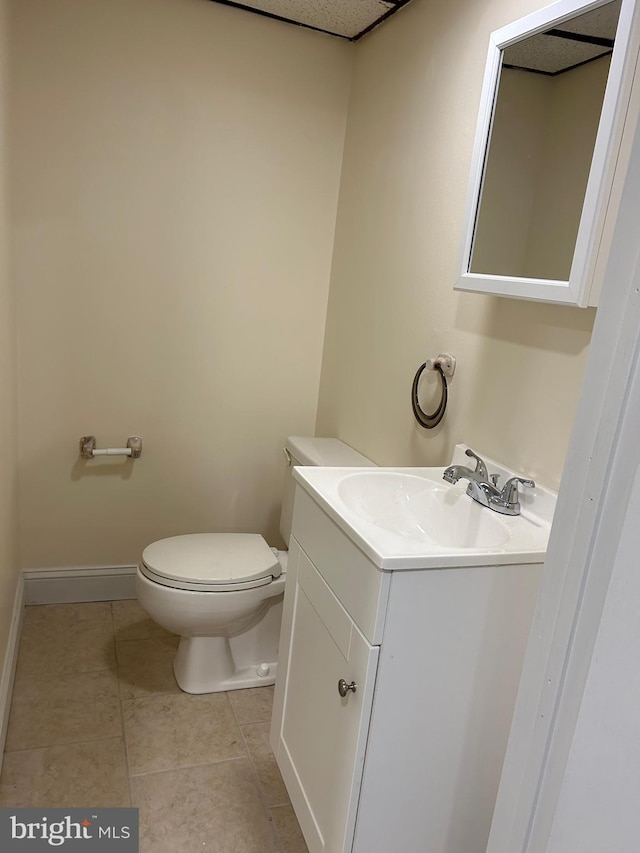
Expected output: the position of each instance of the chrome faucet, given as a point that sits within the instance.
(479, 487)
(505, 501)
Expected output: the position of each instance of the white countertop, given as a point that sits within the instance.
(393, 546)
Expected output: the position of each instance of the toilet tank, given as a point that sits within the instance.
(300, 450)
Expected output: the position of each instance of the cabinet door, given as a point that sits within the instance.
(323, 735)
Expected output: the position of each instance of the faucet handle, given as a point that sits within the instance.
(510, 488)
(481, 468)
(509, 495)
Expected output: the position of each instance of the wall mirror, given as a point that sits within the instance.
(554, 105)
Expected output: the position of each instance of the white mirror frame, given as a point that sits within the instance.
(577, 290)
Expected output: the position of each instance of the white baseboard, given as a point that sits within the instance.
(79, 583)
(10, 659)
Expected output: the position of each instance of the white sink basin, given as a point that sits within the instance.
(413, 506)
(410, 518)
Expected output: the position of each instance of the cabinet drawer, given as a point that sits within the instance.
(360, 587)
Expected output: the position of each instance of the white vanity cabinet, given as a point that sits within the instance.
(410, 760)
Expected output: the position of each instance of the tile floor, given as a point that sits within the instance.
(97, 719)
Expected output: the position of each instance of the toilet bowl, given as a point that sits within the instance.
(212, 589)
(222, 593)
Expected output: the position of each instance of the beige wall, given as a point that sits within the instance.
(8, 448)
(412, 117)
(177, 165)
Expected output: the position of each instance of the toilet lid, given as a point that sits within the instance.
(212, 559)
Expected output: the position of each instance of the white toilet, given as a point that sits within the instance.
(222, 592)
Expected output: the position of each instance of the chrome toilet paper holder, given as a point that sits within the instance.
(88, 449)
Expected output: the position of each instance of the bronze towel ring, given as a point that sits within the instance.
(429, 421)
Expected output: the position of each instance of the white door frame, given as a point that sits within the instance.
(602, 460)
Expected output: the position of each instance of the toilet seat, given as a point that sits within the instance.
(211, 562)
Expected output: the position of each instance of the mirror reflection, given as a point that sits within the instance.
(544, 127)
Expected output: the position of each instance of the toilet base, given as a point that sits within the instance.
(236, 633)
(206, 665)
(240, 680)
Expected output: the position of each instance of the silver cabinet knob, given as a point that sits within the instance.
(344, 688)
